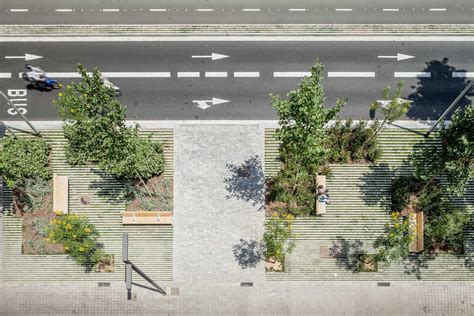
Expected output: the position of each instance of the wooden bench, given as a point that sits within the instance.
(320, 206)
(61, 194)
(147, 218)
(417, 224)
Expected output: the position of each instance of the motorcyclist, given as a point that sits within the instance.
(35, 74)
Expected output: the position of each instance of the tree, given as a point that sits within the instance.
(278, 237)
(97, 133)
(302, 120)
(393, 108)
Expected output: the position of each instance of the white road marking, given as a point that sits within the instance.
(5, 75)
(18, 10)
(463, 74)
(188, 74)
(412, 74)
(158, 10)
(343, 10)
(111, 10)
(390, 10)
(296, 10)
(438, 9)
(351, 74)
(251, 10)
(205, 10)
(63, 10)
(244, 74)
(215, 74)
(291, 74)
(112, 74)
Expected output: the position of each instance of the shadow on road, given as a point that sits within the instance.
(432, 96)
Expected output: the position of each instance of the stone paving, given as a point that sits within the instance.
(219, 197)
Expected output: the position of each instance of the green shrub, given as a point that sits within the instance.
(157, 195)
(35, 195)
(446, 231)
(278, 236)
(24, 158)
(78, 237)
(353, 143)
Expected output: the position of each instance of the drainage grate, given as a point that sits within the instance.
(103, 284)
(246, 283)
(383, 284)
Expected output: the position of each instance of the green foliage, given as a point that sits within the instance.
(394, 244)
(458, 149)
(24, 158)
(96, 131)
(302, 120)
(278, 236)
(78, 237)
(156, 196)
(35, 195)
(350, 143)
(446, 231)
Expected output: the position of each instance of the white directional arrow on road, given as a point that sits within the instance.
(213, 56)
(27, 57)
(398, 57)
(204, 104)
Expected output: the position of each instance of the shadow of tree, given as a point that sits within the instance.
(248, 253)
(108, 187)
(247, 182)
(415, 264)
(375, 186)
(432, 96)
(347, 253)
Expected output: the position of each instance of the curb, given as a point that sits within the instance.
(235, 29)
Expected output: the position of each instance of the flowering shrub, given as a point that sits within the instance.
(278, 236)
(78, 237)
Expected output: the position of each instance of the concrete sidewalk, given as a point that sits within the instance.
(219, 197)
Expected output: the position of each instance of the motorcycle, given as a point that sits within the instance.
(109, 84)
(38, 78)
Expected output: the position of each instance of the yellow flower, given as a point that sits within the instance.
(69, 226)
(66, 248)
(87, 230)
(81, 249)
(58, 212)
(60, 94)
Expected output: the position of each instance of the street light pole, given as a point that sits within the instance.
(469, 85)
(21, 114)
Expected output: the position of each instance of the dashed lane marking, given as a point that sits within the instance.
(215, 74)
(438, 9)
(390, 10)
(158, 10)
(204, 10)
(343, 10)
(351, 74)
(459, 74)
(18, 10)
(246, 74)
(5, 75)
(111, 10)
(412, 74)
(291, 74)
(297, 10)
(63, 10)
(251, 10)
(188, 74)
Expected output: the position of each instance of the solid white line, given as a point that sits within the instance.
(390, 10)
(188, 75)
(5, 74)
(243, 74)
(63, 10)
(459, 74)
(343, 10)
(290, 74)
(111, 10)
(251, 10)
(438, 9)
(412, 74)
(215, 74)
(18, 10)
(350, 74)
(236, 38)
(158, 10)
(205, 10)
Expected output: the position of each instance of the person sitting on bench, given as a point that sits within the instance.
(323, 195)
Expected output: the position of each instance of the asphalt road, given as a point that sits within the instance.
(152, 75)
(231, 11)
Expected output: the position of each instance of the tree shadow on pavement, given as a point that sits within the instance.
(348, 252)
(432, 96)
(375, 185)
(108, 187)
(248, 253)
(247, 182)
